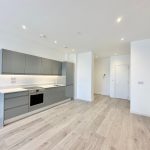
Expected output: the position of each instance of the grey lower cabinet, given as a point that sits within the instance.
(33, 65)
(15, 104)
(13, 62)
(70, 91)
(54, 95)
(10, 113)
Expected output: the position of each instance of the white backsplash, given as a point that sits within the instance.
(7, 81)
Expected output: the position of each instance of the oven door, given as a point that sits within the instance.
(36, 101)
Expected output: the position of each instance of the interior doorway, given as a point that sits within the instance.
(122, 81)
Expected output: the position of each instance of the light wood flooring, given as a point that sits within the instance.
(104, 124)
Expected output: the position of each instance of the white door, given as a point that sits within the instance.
(122, 81)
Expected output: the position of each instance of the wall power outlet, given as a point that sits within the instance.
(13, 80)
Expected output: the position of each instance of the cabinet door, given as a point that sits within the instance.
(13, 62)
(16, 102)
(16, 111)
(46, 68)
(54, 95)
(33, 65)
(68, 71)
(56, 67)
(70, 91)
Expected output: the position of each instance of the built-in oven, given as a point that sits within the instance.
(36, 98)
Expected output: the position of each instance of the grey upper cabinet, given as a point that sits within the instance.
(33, 65)
(46, 66)
(56, 68)
(13, 62)
(68, 71)
(51, 67)
(18, 63)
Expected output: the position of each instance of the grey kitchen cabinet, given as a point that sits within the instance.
(54, 95)
(16, 101)
(50, 67)
(46, 66)
(56, 67)
(16, 111)
(16, 94)
(16, 104)
(12, 62)
(33, 65)
(68, 71)
(70, 91)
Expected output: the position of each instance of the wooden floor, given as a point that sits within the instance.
(104, 124)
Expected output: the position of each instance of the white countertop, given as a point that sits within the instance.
(12, 90)
(21, 89)
(50, 86)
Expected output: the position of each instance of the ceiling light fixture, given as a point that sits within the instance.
(55, 42)
(73, 50)
(122, 39)
(119, 19)
(24, 27)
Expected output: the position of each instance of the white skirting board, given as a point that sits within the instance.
(6, 122)
(139, 114)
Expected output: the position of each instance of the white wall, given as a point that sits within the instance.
(101, 82)
(84, 76)
(140, 77)
(116, 60)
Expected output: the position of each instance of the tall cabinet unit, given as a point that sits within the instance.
(68, 71)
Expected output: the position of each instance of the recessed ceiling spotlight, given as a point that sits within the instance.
(122, 39)
(55, 42)
(73, 50)
(119, 19)
(24, 27)
(42, 36)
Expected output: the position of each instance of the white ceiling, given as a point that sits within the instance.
(79, 24)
